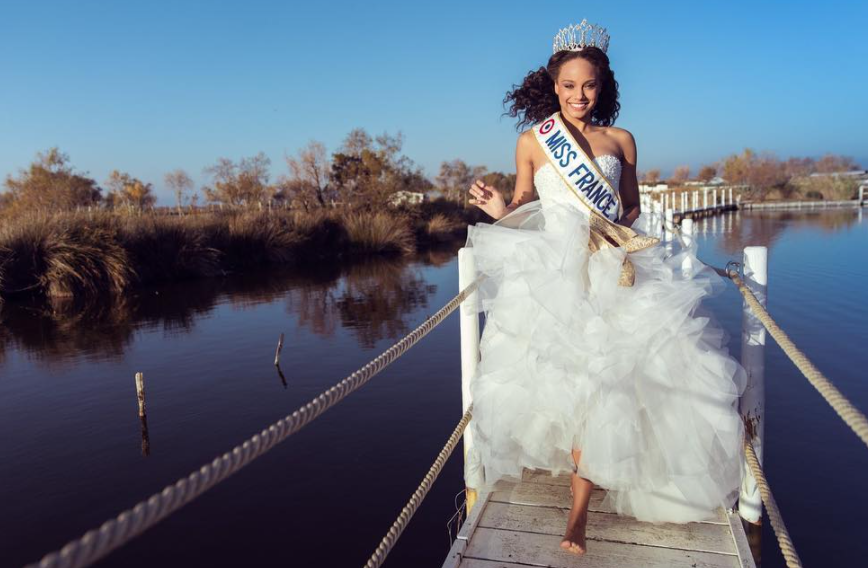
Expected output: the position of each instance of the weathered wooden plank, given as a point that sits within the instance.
(544, 550)
(544, 495)
(739, 538)
(479, 563)
(465, 532)
(704, 537)
(544, 477)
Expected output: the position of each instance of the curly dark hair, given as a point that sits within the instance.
(535, 99)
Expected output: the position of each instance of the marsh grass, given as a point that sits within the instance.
(85, 254)
(379, 232)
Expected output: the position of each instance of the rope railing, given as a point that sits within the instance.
(783, 536)
(394, 533)
(114, 533)
(843, 407)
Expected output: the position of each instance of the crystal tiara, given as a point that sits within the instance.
(577, 37)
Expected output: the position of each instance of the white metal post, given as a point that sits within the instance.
(731, 202)
(752, 403)
(687, 237)
(469, 332)
(705, 198)
(669, 223)
(714, 198)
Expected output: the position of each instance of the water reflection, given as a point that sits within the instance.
(765, 228)
(371, 298)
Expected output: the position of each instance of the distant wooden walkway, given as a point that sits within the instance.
(522, 524)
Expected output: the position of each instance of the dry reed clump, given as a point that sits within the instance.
(252, 239)
(84, 261)
(5, 257)
(379, 232)
(441, 228)
(163, 249)
(321, 233)
(62, 256)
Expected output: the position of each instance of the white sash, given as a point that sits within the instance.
(580, 173)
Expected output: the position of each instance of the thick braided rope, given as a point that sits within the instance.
(845, 409)
(394, 533)
(783, 536)
(114, 533)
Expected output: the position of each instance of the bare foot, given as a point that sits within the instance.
(574, 538)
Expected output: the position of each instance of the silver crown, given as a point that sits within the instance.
(578, 37)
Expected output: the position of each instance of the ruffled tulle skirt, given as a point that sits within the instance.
(637, 378)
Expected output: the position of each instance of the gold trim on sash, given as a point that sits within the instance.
(603, 231)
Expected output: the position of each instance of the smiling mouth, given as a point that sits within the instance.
(578, 106)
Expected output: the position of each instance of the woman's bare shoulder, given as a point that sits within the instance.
(620, 134)
(624, 139)
(526, 137)
(525, 144)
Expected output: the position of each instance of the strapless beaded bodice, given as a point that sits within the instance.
(552, 191)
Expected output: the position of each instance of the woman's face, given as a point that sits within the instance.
(578, 88)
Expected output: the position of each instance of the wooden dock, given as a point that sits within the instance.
(522, 524)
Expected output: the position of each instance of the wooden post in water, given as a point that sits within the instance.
(277, 353)
(469, 332)
(143, 415)
(752, 403)
(140, 393)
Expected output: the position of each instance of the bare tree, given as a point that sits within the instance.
(760, 172)
(356, 142)
(831, 163)
(706, 173)
(126, 190)
(652, 176)
(680, 175)
(308, 176)
(180, 184)
(455, 178)
(244, 183)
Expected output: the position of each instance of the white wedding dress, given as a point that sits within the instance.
(634, 377)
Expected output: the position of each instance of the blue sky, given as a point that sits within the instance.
(147, 87)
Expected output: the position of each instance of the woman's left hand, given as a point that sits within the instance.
(489, 199)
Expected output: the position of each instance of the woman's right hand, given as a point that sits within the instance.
(489, 199)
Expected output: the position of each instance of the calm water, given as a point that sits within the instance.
(70, 435)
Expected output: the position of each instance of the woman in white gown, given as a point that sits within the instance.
(593, 356)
